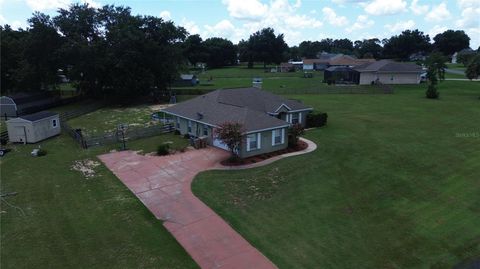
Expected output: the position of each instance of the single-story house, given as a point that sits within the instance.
(314, 64)
(463, 51)
(389, 72)
(34, 127)
(186, 80)
(264, 116)
(341, 75)
(298, 65)
(287, 67)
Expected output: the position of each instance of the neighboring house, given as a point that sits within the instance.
(298, 65)
(419, 56)
(34, 127)
(314, 64)
(287, 67)
(264, 116)
(341, 75)
(186, 80)
(462, 52)
(389, 72)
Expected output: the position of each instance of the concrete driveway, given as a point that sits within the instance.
(163, 185)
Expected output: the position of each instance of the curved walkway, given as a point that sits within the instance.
(163, 186)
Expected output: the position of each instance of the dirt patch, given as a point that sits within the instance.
(86, 167)
(301, 145)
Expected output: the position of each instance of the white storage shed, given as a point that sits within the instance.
(34, 127)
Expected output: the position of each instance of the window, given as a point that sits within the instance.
(54, 123)
(253, 141)
(278, 136)
(294, 118)
(178, 122)
(189, 126)
(205, 130)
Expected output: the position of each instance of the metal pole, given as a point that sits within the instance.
(123, 139)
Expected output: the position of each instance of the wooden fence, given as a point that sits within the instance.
(129, 135)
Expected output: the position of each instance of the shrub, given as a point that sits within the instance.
(186, 136)
(294, 132)
(176, 132)
(316, 119)
(41, 152)
(163, 149)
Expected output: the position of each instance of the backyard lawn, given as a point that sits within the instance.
(66, 220)
(394, 183)
(107, 119)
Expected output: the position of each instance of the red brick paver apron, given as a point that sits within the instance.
(163, 185)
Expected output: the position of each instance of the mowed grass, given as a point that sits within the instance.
(107, 119)
(70, 221)
(394, 183)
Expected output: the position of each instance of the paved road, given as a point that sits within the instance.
(455, 71)
(163, 185)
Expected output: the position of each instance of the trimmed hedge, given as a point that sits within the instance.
(316, 119)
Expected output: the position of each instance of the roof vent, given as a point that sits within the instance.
(199, 116)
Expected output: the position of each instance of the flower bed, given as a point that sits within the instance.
(301, 145)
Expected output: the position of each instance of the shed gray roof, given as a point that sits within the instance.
(248, 106)
(389, 66)
(38, 116)
(187, 76)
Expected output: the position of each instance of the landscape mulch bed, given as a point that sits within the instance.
(258, 158)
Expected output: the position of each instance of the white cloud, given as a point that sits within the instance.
(332, 18)
(224, 27)
(400, 26)
(470, 18)
(165, 14)
(282, 15)
(438, 13)
(190, 26)
(382, 7)
(468, 3)
(418, 9)
(43, 5)
(362, 22)
(246, 9)
(437, 29)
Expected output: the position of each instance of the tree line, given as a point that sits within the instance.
(110, 53)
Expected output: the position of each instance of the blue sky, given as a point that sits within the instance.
(298, 20)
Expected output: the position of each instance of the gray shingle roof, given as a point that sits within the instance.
(389, 66)
(248, 106)
(38, 116)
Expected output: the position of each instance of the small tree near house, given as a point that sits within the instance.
(294, 132)
(231, 134)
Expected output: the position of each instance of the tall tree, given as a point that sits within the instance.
(220, 51)
(344, 46)
(265, 47)
(451, 41)
(435, 72)
(40, 61)
(368, 47)
(12, 44)
(407, 43)
(195, 50)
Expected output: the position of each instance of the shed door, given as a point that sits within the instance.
(19, 133)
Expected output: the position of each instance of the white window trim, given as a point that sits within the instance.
(259, 144)
(282, 135)
(205, 128)
(189, 127)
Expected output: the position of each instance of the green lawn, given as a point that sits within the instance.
(70, 221)
(456, 66)
(107, 119)
(394, 183)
